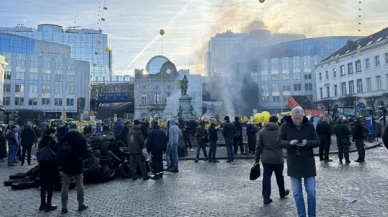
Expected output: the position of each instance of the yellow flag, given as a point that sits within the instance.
(151, 119)
(245, 120)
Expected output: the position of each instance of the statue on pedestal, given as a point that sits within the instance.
(184, 85)
(179, 112)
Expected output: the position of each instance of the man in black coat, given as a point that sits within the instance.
(385, 136)
(359, 139)
(72, 165)
(238, 139)
(213, 138)
(324, 132)
(135, 149)
(28, 137)
(156, 145)
(186, 134)
(124, 133)
(228, 131)
(144, 128)
(298, 135)
(342, 133)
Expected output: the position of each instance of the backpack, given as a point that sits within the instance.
(364, 132)
(65, 152)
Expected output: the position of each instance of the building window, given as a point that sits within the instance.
(334, 72)
(378, 81)
(33, 88)
(343, 73)
(264, 77)
(264, 88)
(144, 99)
(7, 88)
(58, 89)
(358, 66)
(377, 61)
(7, 75)
(286, 76)
(19, 101)
(33, 64)
(351, 87)
(327, 75)
(157, 100)
(308, 86)
(297, 87)
(359, 86)
(295, 62)
(386, 58)
(321, 93)
(265, 99)
(275, 77)
(275, 99)
(46, 89)
(58, 102)
(286, 87)
(7, 100)
(368, 84)
(275, 88)
(70, 78)
(19, 75)
(69, 102)
(33, 76)
(45, 101)
(343, 88)
(285, 98)
(320, 76)
(335, 90)
(46, 77)
(328, 90)
(350, 68)
(367, 63)
(70, 90)
(32, 101)
(296, 76)
(19, 88)
(58, 77)
(307, 75)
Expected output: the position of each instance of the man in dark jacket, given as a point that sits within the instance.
(385, 136)
(72, 165)
(298, 135)
(124, 133)
(213, 138)
(201, 137)
(135, 148)
(271, 155)
(324, 133)
(3, 148)
(144, 128)
(342, 133)
(117, 129)
(62, 131)
(156, 145)
(359, 139)
(228, 131)
(28, 139)
(238, 139)
(13, 139)
(186, 134)
(251, 131)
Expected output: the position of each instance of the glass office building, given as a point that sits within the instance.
(86, 44)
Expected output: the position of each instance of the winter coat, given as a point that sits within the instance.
(186, 129)
(173, 133)
(3, 148)
(201, 135)
(28, 137)
(213, 133)
(62, 131)
(229, 130)
(117, 128)
(324, 131)
(300, 160)
(135, 141)
(342, 132)
(357, 131)
(239, 127)
(144, 129)
(193, 127)
(12, 139)
(385, 136)
(124, 135)
(74, 165)
(267, 148)
(157, 140)
(251, 129)
(49, 172)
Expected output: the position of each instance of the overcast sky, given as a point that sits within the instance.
(133, 24)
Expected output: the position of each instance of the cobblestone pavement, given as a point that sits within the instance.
(221, 189)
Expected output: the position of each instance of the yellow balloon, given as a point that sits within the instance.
(261, 1)
(266, 115)
(257, 118)
(161, 32)
(106, 49)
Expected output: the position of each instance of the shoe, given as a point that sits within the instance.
(82, 208)
(267, 201)
(348, 161)
(286, 193)
(64, 210)
(228, 161)
(146, 178)
(42, 207)
(205, 159)
(210, 160)
(216, 161)
(321, 159)
(22, 164)
(11, 165)
(134, 178)
(358, 161)
(328, 160)
(50, 208)
(176, 170)
(196, 160)
(155, 177)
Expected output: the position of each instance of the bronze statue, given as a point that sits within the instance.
(184, 85)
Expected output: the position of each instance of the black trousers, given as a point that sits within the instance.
(49, 189)
(324, 149)
(157, 161)
(187, 140)
(252, 142)
(238, 141)
(360, 149)
(343, 149)
(28, 150)
(267, 174)
(137, 159)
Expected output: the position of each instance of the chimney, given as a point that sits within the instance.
(349, 44)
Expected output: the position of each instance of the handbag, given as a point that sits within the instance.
(46, 154)
(255, 172)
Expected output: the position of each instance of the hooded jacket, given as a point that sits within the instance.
(135, 141)
(157, 140)
(74, 165)
(300, 160)
(213, 133)
(267, 148)
(117, 128)
(173, 133)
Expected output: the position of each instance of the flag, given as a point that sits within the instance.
(151, 119)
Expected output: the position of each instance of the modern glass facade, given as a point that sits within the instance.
(86, 44)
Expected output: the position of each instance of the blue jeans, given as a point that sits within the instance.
(199, 147)
(174, 148)
(12, 149)
(229, 148)
(212, 150)
(309, 185)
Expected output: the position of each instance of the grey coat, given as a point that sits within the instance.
(267, 148)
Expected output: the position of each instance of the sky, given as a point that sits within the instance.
(133, 25)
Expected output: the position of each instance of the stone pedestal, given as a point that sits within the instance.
(185, 103)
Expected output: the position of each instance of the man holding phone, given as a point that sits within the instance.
(298, 135)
